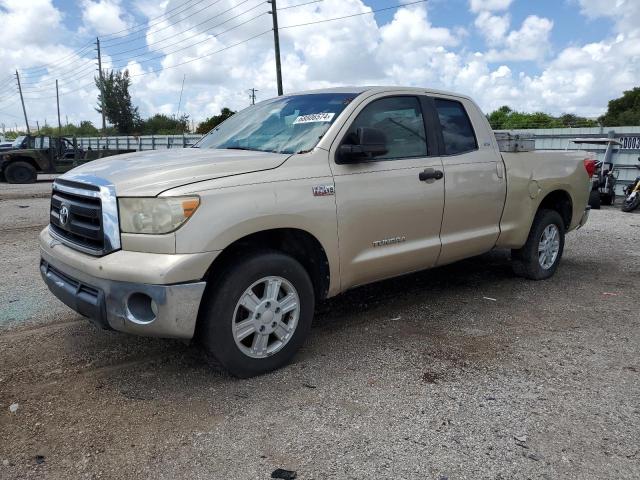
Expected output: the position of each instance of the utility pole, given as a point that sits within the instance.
(58, 103)
(180, 100)
(276, 43)
(184, 76)
(252, 95)
(38, 125)
(104, 123)
(24, 110)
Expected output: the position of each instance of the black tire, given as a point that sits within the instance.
(594, 199)
(525, 260)
(631, 205)
(20, 172)
(608, 199)
(215, 324)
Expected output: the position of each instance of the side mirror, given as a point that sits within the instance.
(369, 143)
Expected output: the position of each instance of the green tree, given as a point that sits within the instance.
(624, 110)
(118, 107)
(505, 118)
(161, 124)
(212, 122)
(84, 129)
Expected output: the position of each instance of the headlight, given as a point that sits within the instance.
(155, 215)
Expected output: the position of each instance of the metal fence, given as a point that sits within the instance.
(624, 156)
(144, 142)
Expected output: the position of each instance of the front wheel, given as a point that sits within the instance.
(538, 259)
(631, 202)
(258, 314)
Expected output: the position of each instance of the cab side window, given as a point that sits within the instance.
(457, 131)
(400, 119)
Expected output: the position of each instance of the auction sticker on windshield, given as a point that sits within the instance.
(314, 117)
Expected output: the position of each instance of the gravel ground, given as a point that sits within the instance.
(463, 372)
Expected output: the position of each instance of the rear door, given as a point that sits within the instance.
(388, 218)
(475, 183)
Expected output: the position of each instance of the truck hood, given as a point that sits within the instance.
(151, 172)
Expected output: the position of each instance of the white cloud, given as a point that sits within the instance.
(530, 42)
(103, 16)
(492, 27)
(489, 5)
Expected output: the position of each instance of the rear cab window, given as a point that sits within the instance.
(457, 131)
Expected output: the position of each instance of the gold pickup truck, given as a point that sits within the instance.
(293, 200)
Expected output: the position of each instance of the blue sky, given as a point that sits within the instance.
(555, 56)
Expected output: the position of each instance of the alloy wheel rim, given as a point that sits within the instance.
(549, 246)
(266, 317)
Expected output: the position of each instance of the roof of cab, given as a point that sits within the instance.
(380, 89)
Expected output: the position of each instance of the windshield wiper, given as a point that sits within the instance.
(242, 148)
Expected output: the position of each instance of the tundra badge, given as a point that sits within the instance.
(389, 241)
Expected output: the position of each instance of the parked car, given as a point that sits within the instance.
(291, 201)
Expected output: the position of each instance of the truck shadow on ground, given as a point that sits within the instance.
(435, 306)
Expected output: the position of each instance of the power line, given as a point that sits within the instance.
(149, 72)
(147, 28)
(68, 78)
(208, 54)
(59, 61)
(191, 28)
(300, 5)
(354, 14)
(197, 43)
(148, 22)
(202, 56)
(31, 71)
(70, 71)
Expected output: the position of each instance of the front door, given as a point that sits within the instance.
(388, 217)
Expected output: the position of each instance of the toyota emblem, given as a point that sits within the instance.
(64, 215)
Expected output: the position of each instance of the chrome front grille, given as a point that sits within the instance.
(84, 214)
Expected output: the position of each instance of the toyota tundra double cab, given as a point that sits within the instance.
(233, 242)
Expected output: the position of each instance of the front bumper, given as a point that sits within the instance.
(142, 309)
(140, 293)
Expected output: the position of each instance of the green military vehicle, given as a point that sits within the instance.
(30, 155)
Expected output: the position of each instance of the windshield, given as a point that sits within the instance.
(291, 124)
(18, 142)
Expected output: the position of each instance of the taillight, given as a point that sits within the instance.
(590, 166)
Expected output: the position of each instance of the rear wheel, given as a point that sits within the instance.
(538, 259)
(258, 314)
(608, 199)
(594, 199)
(631, 202)
(20, 172)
